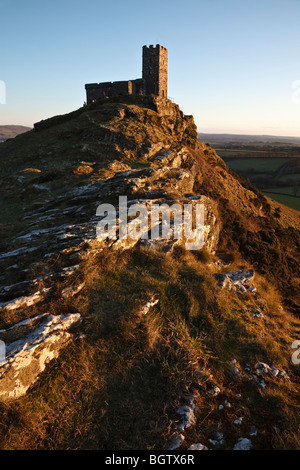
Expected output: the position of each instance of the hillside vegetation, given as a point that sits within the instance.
(174, 347)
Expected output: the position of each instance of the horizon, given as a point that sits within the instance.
(205, 133)
(247, 50)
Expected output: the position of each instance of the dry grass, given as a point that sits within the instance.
(119, 386)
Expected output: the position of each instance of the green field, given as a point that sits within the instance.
(290, 201)
(278, 177)
(257, 164)
(285, 190)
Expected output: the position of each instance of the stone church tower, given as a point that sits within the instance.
(155, 70)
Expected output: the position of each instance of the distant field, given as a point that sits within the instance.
(275, 171)
(257, 164)
(287, 190)
(290, 201)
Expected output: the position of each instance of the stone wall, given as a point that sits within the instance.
(99, 91)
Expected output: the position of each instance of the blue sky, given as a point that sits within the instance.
(232, 63)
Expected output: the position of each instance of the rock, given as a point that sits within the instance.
(243, 444)
(224, 281)
(241, 276)
(186, 410)
(257, 313)
(259, 381)
(218, 439)
(29, 321)
(197, 447)
(283, 374)
(25, 301)
(71, 291)
(262, 368)
(238, 421)
(237, 280)
(262, 383)
(176, 441)
(214, 392)
(235, 371)
(69, 270)
(251, 289)
(253, 431)
(188, 416)
(148, 306)
(27, 357)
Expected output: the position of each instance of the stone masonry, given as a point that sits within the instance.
(153, 82)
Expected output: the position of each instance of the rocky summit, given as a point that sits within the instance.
(134, 342)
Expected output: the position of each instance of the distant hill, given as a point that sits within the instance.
(247, 139)
(9, 132)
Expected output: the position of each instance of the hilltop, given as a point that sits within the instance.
(152, 346)
(9, 132)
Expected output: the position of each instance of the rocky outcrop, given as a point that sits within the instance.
(236, 280)
(30, 346)
(262, 368)
(66, 225)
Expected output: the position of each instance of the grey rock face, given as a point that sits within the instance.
(27, 357)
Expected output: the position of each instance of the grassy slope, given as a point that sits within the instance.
(118, 387)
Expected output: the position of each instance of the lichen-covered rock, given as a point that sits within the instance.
(27, 357)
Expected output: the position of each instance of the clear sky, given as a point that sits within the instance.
(232, 63)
